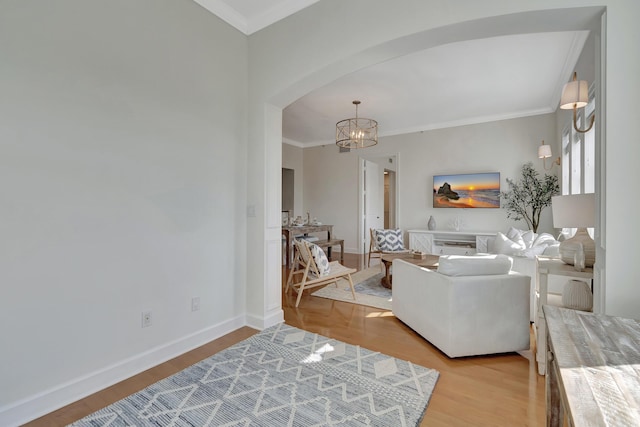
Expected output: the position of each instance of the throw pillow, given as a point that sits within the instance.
(503, 245)
(474, 265)
(513, 233)
(389, 240)
(321, 260)
(528, 237)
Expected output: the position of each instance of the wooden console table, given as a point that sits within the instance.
(444, 242)
(292, 231)
(593, 374)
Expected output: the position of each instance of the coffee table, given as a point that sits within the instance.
(429, 261)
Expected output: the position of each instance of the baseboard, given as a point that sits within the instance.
(33, 407)
(261, 323)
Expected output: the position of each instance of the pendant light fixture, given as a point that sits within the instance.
(357, 132)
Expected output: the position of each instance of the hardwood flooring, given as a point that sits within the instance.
(499, 390)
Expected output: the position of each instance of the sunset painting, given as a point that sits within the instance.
(477, 190)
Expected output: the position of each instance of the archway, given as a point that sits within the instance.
(518, 23)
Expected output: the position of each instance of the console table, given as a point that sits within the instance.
(548, 266)
(442, 242)
(593, 377)
(290, 232)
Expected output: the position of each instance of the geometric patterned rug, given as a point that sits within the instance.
(368, 289)
(282, 376)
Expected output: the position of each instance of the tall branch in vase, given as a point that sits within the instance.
(527, 198)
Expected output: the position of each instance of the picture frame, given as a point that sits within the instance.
(467, 190)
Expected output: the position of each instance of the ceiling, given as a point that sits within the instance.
(455, 84)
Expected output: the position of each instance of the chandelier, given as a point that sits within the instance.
(357, 132)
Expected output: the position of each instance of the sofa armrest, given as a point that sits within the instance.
(420, 298)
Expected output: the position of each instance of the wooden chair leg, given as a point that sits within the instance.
(353, 291)
(291, 273)
(299, 290)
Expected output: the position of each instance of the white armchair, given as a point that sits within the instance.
(464, 313)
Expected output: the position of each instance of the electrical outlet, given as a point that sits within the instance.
(195, 303)
(146, 319)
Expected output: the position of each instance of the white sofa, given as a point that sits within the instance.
(464, 315)
(523, 246)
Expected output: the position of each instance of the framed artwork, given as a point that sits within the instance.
(475, 190)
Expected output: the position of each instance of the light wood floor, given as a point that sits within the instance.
(501, 390)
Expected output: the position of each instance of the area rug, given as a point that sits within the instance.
(368, 289)
(282, 376)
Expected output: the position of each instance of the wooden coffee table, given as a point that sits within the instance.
(429, 261)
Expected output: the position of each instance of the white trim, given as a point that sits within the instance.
(225, 12)
(292, 142)
(434, 126)
(274, 14)
(250, 24)
(47, 401)
(260, 323)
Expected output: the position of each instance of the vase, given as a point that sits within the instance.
(577, 295)
(579, 258)
(432, 223)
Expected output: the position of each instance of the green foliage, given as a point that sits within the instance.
(527, 198)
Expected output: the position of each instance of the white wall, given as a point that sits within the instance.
(331, 178)
(308, 49)
(122, 175)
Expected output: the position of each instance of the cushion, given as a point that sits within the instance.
(504, 245)
(513, 233)
(389, 240)
(474, 265)
(528, 237)
(545, 239)
(321, 260)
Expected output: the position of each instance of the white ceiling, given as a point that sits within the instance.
(450, 85)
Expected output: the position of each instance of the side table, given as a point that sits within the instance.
(429, 261)
(545, 267)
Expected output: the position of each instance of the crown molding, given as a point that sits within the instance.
(250, 24)
(225, 12)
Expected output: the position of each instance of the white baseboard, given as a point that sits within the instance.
(261, 323)
(40, 404)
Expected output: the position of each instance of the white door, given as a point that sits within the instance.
(373, 200)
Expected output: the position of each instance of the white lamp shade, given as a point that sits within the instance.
(544, 151)
(575, 210)
(574, 93)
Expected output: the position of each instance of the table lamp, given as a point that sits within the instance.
(576, 210)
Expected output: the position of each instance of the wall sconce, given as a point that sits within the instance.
(544, 151)
(575, 94)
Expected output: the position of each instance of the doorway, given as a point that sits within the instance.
(378, 201)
